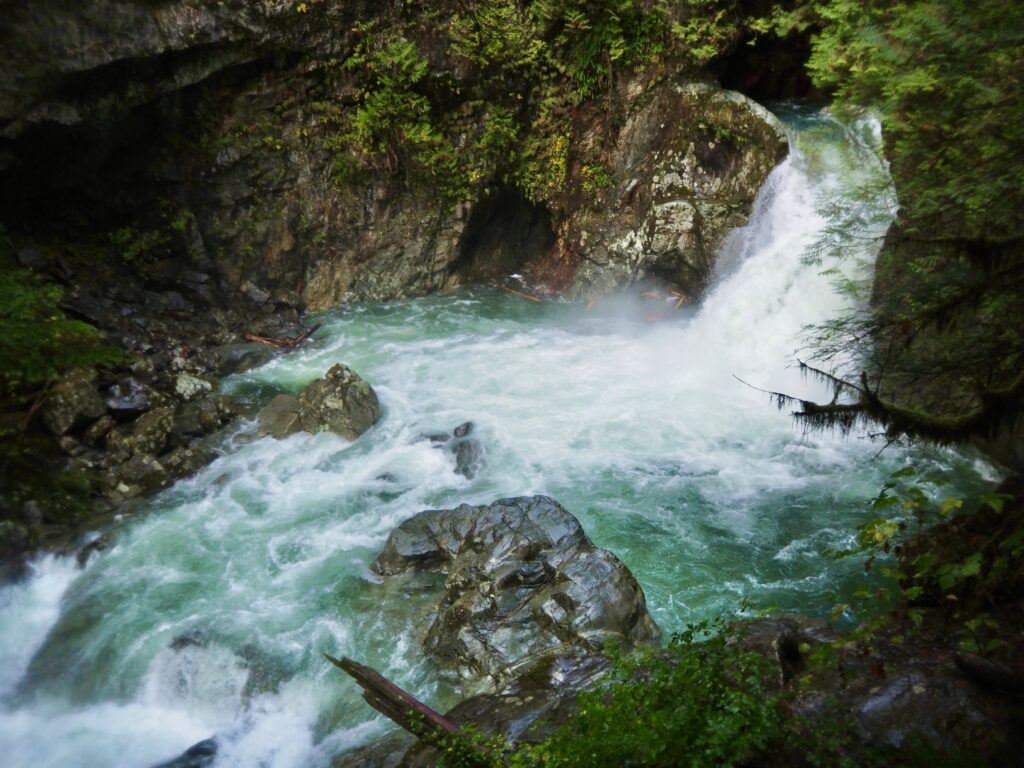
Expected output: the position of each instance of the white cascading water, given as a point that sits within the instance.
(209, 614)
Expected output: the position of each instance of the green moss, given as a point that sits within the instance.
(524, 69)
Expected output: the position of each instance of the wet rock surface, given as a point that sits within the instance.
(104, 438)
(199, 755)
(686, 167)
(221, 111)
(521, 580)
(341, 402)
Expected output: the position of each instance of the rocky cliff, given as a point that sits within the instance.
(207, 134)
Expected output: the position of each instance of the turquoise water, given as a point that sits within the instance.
(209, 614)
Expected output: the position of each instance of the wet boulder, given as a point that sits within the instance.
(236, 358)
(522, 581)
(199, 755)
(187, 460)
(468, 451)
(469, 457)
(200, 417)
(341, 402)
(189, 387)
(73, 402)
(129, 397)
(141, 474)
(280, 418)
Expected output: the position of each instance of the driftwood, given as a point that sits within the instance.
(403, 708)
(521, 295)
(284, 344)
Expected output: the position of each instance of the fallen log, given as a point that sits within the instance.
(397, 705)
(284, 344)
(521, 295)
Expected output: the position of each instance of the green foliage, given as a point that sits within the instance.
(137, 247)
(700, 703)
(392, 122)
(544, 164)
(945, 78)
(915, 532)
(499, 37)
(38, 341)
(504, 113)
(709, 28)
(591, 39)
(595, 178)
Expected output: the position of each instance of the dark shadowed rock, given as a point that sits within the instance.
(522, 580)
(469, 457)
(142, 473)
(198, 755)
(892, 693)
(150, 432)
(187, 460)
(235, 358)
(74, 401)
(128, 397)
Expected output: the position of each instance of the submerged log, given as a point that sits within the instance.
(397, 705)
(283, 344)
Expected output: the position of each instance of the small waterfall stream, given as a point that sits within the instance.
(209, 613)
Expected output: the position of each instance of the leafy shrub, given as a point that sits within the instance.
(700, 703)
(392, 121)
(38, 341)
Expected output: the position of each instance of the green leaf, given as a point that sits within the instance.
(949, 505)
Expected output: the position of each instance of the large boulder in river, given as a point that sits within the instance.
(522, 580)
(341, 402)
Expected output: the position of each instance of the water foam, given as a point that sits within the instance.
(210, 613)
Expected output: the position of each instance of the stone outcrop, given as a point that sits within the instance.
(341, 402)
(220, 119)
(685, 167)
(522, 580)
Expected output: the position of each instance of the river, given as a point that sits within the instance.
(209, 613)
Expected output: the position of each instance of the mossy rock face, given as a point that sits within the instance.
(685, 170)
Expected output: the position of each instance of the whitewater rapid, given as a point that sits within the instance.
(209, 614)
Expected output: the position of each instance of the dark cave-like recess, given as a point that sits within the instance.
(504, 232)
